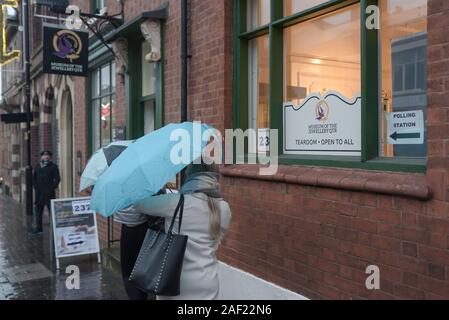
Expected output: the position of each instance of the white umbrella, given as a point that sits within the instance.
(100, 161)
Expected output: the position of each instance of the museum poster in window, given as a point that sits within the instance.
(328, 124)
(65, 51)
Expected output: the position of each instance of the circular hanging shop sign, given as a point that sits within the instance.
(67, 45)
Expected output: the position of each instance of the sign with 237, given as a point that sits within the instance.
(81, 207)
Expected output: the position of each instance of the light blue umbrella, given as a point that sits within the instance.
(147, 165)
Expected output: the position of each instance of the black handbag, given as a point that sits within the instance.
(159, 264)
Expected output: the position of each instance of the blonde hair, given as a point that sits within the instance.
(213, 203)
(214, 218)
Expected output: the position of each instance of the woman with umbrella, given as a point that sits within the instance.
(143, 169)
(206, 219)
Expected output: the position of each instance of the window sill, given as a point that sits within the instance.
(410, 185)
(409, 165)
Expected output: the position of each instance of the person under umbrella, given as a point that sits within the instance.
(100, 161)
(141, 171)
(133, 224)
(148, 164)
(205, 221)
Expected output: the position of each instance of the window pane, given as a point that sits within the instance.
(148, 72)
(398, 79)
(404, 77)
(295, 6)
(410, 76)
(96, 124)
(259, 111)
(95, 83)
(149, 116)
(105, 80)
(105, 121)
(258, 13)
(113, 115)
(322, 55)
(114, 78)
(422, 76)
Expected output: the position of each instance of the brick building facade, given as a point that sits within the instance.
(315, 226)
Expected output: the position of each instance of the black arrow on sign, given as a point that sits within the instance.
(395, 136)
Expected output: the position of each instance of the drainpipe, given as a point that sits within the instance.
(184, 69)
(184, 57)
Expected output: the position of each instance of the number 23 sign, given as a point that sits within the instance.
(263, 137)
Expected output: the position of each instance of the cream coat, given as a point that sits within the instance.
(199, 277)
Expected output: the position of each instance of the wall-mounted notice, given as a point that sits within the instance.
(405, 127)
(323, 125)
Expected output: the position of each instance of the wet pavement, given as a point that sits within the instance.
(28, 271)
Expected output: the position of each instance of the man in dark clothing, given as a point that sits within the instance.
(45, 180)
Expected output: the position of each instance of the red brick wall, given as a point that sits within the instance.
(438, 95)
(313, 240)
(319, 241)
(210, 65)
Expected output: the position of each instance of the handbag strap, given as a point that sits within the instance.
(180, 209)
(181, 213)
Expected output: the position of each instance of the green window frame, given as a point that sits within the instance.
(369, 159)
(110, 96)
(136, 99)
(132, 85)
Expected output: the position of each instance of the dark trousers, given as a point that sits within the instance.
(39, 212)
(130, 242)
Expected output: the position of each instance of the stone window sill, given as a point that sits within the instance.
(399, 184)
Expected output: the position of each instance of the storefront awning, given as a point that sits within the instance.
(133, 26)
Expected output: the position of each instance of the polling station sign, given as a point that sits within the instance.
(74, 228)
(65, 51)
(405, 127)
(328, 124)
